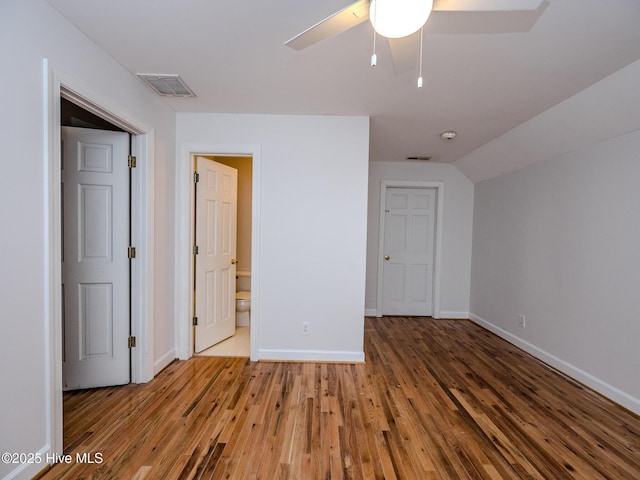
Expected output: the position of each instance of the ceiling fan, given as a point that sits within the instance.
(488, 16)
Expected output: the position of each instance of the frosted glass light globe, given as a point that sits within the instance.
(399, 18)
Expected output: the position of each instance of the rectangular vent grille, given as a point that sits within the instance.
(166, 85)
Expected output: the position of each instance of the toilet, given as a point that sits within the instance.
(243, 299)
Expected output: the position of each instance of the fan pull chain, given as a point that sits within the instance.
(420, 77)
(374, 57)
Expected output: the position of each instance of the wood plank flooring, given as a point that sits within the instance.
(436, 399)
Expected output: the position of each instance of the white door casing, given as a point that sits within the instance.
(95, 263)
(215, 267)
(410, 239)
(60, 84)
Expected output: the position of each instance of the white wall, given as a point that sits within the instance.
(30, 31)
(456, 239)
(558, 241)
(313, 204)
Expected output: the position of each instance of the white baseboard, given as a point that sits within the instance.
(40, 460)
(163, 361)
(372, 312)
(609, 391)
(311, 356)
(464, 315)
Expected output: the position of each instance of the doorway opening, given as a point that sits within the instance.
(248, 241)
(96, 258)
(62, 86)
(238, 344)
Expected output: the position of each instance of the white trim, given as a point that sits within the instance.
(439, 186)
(328, 356)
(454, 315)
(184, 240)
(30, 470)
(370, 312)
(163, 361)
(142, 274)
(609, 391)
(57, 84)
(53, 262)
(97, 105)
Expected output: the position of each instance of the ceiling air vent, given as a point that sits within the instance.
(166, 85)
(419, 157)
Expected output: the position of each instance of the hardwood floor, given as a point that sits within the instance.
(436, 399)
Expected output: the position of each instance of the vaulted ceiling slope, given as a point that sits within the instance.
(484, 74)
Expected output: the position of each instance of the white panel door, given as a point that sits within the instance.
(95, 263)
(409, 237)
(215, 264)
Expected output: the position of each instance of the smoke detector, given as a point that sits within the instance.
(448, 135)
(166, 85)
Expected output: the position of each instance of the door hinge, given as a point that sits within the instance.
(131, 252)
(195, 249)
(196, 177)
(132, 342)
(195, 321)
(132, 161)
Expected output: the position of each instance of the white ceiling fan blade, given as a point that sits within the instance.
(478, 21)
(466, 16)
(485, 5)
(339, 22)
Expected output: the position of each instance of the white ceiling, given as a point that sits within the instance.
(231, 54)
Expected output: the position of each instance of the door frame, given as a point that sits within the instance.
(439, 187)
(57, 85)
(184, 240)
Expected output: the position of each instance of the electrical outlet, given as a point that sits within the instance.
(305, 328)
(521, 321)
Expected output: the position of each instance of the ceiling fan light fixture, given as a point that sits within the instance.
(399, 18)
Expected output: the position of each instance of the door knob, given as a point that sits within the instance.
(387, 257)
(234, 261)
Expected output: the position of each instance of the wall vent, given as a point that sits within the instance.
(166, 85)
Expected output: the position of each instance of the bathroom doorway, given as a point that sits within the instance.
(239, 344)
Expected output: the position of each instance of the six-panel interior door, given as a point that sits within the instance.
(95, 263)
(215, 262)
(409, 237)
